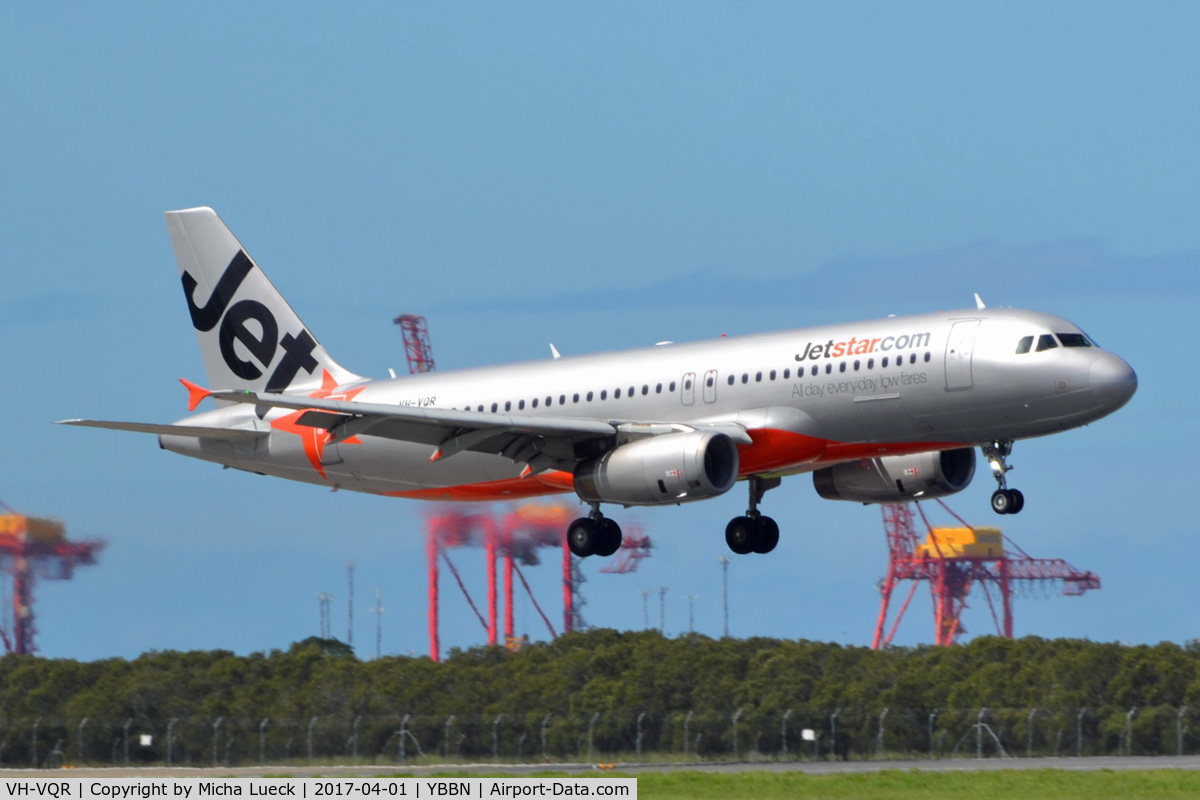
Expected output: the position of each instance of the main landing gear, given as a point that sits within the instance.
(1004, 500)
(754, 533)
(594, 535)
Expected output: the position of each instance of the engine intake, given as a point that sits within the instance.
(661, 470)
(898, 479)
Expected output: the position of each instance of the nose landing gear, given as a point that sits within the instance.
(1004, 500)
(754, 533)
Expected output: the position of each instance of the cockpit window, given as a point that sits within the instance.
(1024, 345)
(1045, 342)
(1074, 340)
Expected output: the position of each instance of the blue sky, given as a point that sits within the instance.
(597, 177)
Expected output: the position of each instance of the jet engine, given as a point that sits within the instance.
(660, 470)
(897, 479)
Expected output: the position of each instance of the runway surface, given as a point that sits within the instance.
(627, 768)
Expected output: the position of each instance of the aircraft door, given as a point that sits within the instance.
(688, 389)
(959, 347)
(710, 386)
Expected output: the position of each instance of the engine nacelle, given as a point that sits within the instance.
(898, 479)
(661, 470)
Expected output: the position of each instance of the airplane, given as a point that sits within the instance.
(881, 411)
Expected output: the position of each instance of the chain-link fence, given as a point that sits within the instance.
(749, 734)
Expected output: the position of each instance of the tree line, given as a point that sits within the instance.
(605, 691)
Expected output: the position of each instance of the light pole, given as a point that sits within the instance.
(691, 598)
(645, 608)
(725, 589)
(662, 610)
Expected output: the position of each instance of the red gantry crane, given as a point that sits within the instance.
(32, 548)
(956, 559)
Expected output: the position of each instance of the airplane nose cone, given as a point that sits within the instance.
(1113, 381)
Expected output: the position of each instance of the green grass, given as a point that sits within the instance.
(896, 785)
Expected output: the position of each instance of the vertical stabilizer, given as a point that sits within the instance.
(250, 338)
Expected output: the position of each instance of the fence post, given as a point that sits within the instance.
(1127, 731)
(216, 728)
(736, 716)
(496, 737)
(686, 723)
(1179, 731)
(403, 733)
(545, 722)
(591, 727)
(312, 722)
(783, 735)
(1029, 733)
(354, 739)
(1079, 733)
(36, 723)
(446, 737)
(80, 735)
(640, 717)
(879, 737)
(262, 741)
(833, 743)
(932, 716)
(979, 733)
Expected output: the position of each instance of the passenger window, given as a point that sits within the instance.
(549, 401)
(562, 399)
(645, 389)
(842, 367)
(787, 373)
(589, 397)
(828, 368)
(912, 359)
(508, 405)
(671, 387)
(927, 356)
(870, 363)
(658, 389)
(745, 377)
(631, 392)
(494, 407)
(884, 362)
(814, 370)
(480, 408)
(1046, 342)
(604, 394)
(708, 381)
(1074, 340)
(758, 377)
(575, 397)
(731, 380)
(1024, 345)
(535, 402)
(521, 406)
(772, 375)
(857, 364)
(617, 394)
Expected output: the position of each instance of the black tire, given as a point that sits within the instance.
(610, 538)
(741, 534)
(1018, 501)
(768, 535)
(1001, 501)
(582, 537)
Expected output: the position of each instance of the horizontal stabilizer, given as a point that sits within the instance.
(198, 431)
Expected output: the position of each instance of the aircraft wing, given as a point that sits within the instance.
(198, 431)
(541, 442)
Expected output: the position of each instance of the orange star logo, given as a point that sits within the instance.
(315, 439)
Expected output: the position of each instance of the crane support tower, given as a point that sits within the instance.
(956, 559)
(32, 548)
(416, 343)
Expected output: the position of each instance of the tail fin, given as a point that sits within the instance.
(250, 338)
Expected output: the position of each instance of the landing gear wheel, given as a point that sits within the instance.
(768, 535)
(583, 536)
(1007, 501)
(610, 538)
(742, 534)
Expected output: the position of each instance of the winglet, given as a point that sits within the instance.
(979, 301)
(436, 455)
(196, 394)
(554, 352)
